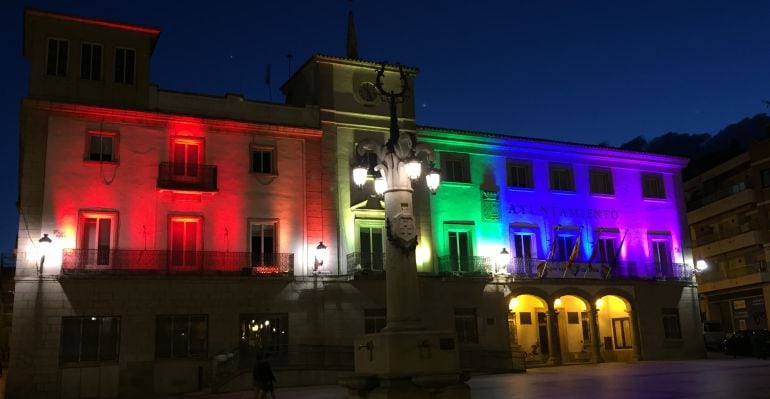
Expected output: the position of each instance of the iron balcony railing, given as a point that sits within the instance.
(715, 273)
(725, 233)
(716, 195)
(187, 177)
(131, 261)
(366, 261)
(465, 265)
(529, 268)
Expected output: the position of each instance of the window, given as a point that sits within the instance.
(89, 339)
(525, 318)
(661, 257)
(573, 318)
(58, 51)
(561, 178)
(520, 174)
(374, 320)
(263, 246)
(460, 251)
(564, 246)
(102, 146)
(606, 249)
(370, 241)
(601, 181)
(264, 333)
(179, 337)
(124, 66)
(97, 236)
(454, 168)
(652, 185)
(186, 154)
(91, 61)
(262, 160)
(764, 176)
(671, 327)
(185, 240)
(522, 245)
(465, 325)
(621, 331)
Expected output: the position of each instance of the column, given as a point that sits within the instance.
(597, 353)
(637, 338)
(554, 349)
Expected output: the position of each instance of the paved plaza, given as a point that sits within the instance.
(721, 377)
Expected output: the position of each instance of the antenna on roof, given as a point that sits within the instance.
(289, 57)
(352, 43)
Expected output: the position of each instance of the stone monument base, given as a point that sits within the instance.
(409, 365)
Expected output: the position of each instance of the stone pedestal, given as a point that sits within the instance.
(407, 364)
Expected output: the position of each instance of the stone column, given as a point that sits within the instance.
(402, 295)
(597, 353)
(637, 338)
(554, 349)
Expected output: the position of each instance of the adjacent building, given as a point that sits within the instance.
(165, 238)
(728, 210)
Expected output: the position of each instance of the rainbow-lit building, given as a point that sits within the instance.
(166, 237)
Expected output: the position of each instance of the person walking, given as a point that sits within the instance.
(263, 378)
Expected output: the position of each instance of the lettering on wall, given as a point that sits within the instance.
(558, 211)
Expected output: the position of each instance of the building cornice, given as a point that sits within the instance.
(158, 118)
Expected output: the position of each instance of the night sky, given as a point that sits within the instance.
(581, 71)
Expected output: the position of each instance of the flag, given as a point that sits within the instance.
(617, 256)
(594, 252)
(542, 267)
(267, 75)
(575, 251)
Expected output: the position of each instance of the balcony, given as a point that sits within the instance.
(727, 241)
(162, 262)
(366, 261)
(531, 269)
(717, 203)
(716, 278)
(465, 265)
(187, 177)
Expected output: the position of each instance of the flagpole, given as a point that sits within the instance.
(574, 253)
(551, 253)
(617, 255)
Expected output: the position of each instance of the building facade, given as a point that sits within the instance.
(727, 211)
(165, 237)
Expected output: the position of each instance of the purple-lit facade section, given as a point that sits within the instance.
(632, 217)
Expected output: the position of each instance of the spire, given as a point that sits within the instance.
(352, 45)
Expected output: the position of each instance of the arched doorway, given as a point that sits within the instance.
(616, 332)
(528, 327)
(573, 326)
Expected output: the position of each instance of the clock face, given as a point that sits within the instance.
(367, 91)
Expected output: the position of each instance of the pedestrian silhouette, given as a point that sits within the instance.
(263, 378)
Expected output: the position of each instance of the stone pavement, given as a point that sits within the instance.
(720, 377)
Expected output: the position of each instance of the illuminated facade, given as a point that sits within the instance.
(183, 232)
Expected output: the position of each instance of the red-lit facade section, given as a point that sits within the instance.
(133, 192)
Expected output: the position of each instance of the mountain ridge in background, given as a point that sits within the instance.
(703, 149)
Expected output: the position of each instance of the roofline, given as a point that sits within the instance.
(153, 31)
(684, 161)
(346, 61)
(93, 21)
(162, 117)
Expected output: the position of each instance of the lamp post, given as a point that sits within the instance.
(398, 165)
(404, 360)
(45, 245)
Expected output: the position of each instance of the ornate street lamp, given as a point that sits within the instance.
(404, 342)
(503, 258)
(45, 247)
(360, 173)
